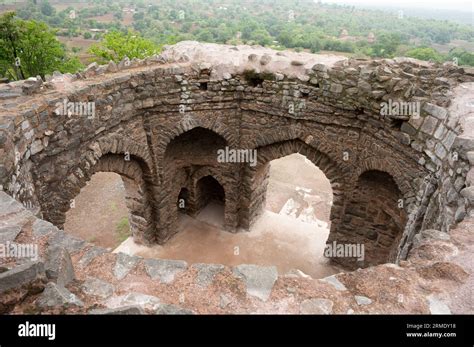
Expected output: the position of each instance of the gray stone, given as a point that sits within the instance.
(41, 228)
(36, 147)
(408, 129)
(9, 205)
(258, 279)
(224, 301)
(316, 306)
(440, 151)
(362, 300)
(67, 241)
(112, 67)
(90, 255)
(336, 88)
(437, 306)
(468, 193)
(164, 270)
(206, 273)
(9, 233)
(265, 59)
(172, 310)
(429, 125)
(460, 214)
(148, 302)
(54, 296)
(470, 158)
(97, 287)
(125, 310)
(436, 111)
(124, 264)
(22, 275)
(334, 282)
(58, 266)
(320, 67)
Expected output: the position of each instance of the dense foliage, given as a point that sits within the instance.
(30, 48)
(280, 24)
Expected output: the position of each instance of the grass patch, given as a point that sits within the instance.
(123, 229)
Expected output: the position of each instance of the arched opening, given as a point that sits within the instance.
(114, 199)
(210, 201)
(99, 214)
(197, 146)
(374, 217)
(294, 221)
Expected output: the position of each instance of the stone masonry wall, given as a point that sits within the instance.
(328, 111)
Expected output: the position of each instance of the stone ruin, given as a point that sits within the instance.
(395, 137)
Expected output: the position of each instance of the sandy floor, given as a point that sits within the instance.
(291, 234)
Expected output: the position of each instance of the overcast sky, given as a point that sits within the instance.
(464, 5)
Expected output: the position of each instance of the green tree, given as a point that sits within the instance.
(30, 48)
(117, 45)
(47, 9)
(87, 35)
(425, 53)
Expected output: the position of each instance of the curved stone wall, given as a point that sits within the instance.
(331, 109)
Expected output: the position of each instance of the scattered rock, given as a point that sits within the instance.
(148, 302)
(97, 287)
(362, 300)
(90, 255)
(164, 270)
(206, 273)
(125, 310)
(316, 306)
(172, 309)
(258, 279)
(59, 266)
(42, 228)
(67, 241)
(9, 233)
(224, 301)
(124, 264)
(468, 193)
(22, 275)
(332, 280)
(54, 296)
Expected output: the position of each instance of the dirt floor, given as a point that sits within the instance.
(290, 234)
(99, 211)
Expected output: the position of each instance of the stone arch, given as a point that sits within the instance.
(374, 216)
(255, 179)
(170, 134)
(131, 162)
(180, 170)
(207, 189)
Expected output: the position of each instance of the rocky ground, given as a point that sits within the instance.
(73, 276)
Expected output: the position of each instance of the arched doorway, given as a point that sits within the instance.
(210, 201)
(374, 217)
(99, 214)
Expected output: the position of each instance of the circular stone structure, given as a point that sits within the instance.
(204, 121)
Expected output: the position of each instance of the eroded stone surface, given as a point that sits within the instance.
(57, 296)
(259, 280)
(124, 264)
(164, 270)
